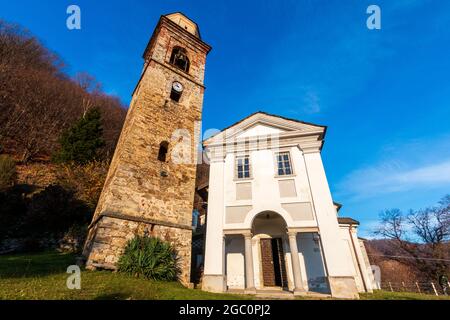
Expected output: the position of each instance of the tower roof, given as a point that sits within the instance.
(184, 22)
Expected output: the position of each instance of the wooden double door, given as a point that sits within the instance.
(273, 264)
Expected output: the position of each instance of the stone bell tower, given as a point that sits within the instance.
(151, 181)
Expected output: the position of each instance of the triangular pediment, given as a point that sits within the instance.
(263, 124)
(260, 129)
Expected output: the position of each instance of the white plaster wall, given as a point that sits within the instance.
(235, 262)
(333, 247)
(289, 268)
(370, 275)
(214, 247)
(314, 265)
(350, 256)
(265, 187)
(364, 271)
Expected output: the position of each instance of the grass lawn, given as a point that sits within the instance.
(387, 295)
(43, 276)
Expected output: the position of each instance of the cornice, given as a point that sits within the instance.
(311, 147)
(307, 142)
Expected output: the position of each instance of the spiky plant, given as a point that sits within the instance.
(150, 258)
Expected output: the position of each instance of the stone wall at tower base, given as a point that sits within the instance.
(112, 235)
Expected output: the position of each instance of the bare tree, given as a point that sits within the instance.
(90, 85)
(422, 235)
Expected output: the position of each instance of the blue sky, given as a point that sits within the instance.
(384, 94)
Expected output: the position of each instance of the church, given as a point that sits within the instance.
(272, 223)
(265, 218)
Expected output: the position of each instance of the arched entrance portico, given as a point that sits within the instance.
(263, 257)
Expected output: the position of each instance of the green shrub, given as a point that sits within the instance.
(80, 144)
(7, 171)
(150, 258)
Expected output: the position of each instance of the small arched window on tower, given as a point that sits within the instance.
(180, 59)
(163, 150)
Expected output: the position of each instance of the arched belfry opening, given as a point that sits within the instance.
(179, 59)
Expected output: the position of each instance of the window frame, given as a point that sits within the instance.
(277, 162)
(236, 168)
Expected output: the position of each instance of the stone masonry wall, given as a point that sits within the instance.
(113, 234)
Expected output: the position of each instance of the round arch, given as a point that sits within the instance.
(269, 223)
(255, 212)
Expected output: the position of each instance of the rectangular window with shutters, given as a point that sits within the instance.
(243, 167)
(284, 164)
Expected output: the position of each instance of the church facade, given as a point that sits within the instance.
(272, 223)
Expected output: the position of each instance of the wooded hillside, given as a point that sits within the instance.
(57, 137)
(38, 101)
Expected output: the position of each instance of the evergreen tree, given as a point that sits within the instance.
(81, 142)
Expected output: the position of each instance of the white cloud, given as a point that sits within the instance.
(390, 177)
(312, 102)
(367, 229)
(412, 165)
